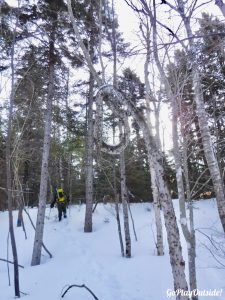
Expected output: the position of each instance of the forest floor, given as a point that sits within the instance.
(94, 258)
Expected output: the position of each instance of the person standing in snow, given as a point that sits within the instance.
(62, 201)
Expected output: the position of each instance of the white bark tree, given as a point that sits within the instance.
(89, 160)
(39, 232)
(124, 198)
(186, 14)
(117, 101)
(148, 98)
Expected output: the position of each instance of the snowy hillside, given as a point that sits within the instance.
(94, 259)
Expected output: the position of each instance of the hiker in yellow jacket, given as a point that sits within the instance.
(62, 201)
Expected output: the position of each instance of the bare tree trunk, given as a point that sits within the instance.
(188, 234)
(175, 250)
(69, 177)
(203, 123)
(70, 155)
(208, 147)
(38, 240)
(89, 161)
(125, 206)
(20, 213)
(173, 237)
(9, 174)
(179, 172)
(118, 224)
(155, 191)
(157, 211)
(191, 243)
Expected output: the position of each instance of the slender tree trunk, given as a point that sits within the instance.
(90, 140)
(157, 211)
(179, 172)
(118, 224)
(69, 177)
(155, 191)
(21, 197)
(204, 127)
(89, 161)
(38, 240)
(117, 198)
(20, 213)
(9, 175)
(208, 147)
(125, 206)
(173, 237)
(70, 155)
(191, 243)
(175, 250)
(188, 234)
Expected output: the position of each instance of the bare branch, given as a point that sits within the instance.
(80, 286)
(10, 262)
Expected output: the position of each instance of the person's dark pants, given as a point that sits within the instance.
(61, 210)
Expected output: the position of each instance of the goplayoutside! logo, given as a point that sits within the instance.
(204, 293)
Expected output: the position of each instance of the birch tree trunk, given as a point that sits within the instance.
(178, 163)
(155, 191)
(191, 243)
(173, 237)
(125, 205)
(89, 160)
(118, 224)
(188, 234)
(175, 249)
(203, 122)
(38, 239)
(155, 158)
(179, 172)
(208, 147)
(89, 141)
(157, 211)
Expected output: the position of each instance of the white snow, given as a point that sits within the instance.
(94, 258)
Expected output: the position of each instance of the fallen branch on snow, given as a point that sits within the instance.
(79, 286)
(10, 262)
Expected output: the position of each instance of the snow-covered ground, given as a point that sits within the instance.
(94, 258)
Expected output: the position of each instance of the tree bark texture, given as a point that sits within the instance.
(203, 123)
(173, 237)
(119, 224)
(175, 250)
(155, 190)
(125, 205)
(38, 239)
(9, 176)
(89, 161)
(189, 235)
(157, 212)
(208, 147)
